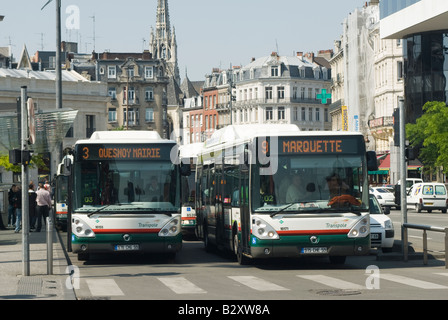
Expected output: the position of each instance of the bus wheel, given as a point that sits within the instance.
(337, 259)
(207, 244)
(240, 257)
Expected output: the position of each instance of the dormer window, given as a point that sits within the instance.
(275, 71)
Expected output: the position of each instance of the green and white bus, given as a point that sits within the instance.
(273, 191)
(126, 194)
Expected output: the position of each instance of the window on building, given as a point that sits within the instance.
(149, 94)
(269, 114)
(303, 114)
(149, 114)
(149, 72)
(281, 92)
(112, 92)
(281, 113)
(268, 92)
(112, 72)
(112, 115)
(274, 71)
(317, 114)
(399, 70)
(310, 114)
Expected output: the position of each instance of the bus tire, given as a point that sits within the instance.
(207, 244)
(240, 257)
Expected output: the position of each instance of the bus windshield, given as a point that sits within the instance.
(325, 183)
(126, 187)
(61, 192)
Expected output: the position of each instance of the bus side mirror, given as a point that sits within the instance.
(185, 170)
(372, 163)
(67, 166)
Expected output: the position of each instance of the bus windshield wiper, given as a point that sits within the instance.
(102, 208)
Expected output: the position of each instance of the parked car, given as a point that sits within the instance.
(428, 196)
(382, 231)
(384, 196)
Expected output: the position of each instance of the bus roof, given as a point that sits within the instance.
(234, 133)
(190, 150)
(124, 137)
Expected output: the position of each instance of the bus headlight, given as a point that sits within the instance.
(81, 229)
(263, 230)
(360, 229)
(171, 229)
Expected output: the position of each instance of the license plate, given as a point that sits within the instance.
(375, 236)
(321, 250)
(127, 247)
(428, 203)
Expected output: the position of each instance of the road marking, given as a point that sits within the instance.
(181, 285)
(411, 282)
(104, 288)
(257, 283)
(333, 282)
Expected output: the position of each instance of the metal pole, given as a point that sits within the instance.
(446, 248)
(25, 196)
(58, 56)
(403, 174)
(49, 246)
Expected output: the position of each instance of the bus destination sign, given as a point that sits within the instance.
(94, 152)
(320, 145)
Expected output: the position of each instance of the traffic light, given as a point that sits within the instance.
(396, 127)
(410, 153)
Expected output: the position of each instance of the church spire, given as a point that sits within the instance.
(163, 43)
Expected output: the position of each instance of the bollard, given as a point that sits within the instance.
(49, 246)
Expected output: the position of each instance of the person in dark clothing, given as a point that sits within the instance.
(32, 206)
(12, 205)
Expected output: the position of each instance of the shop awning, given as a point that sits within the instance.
(51, 129)
(385, 164)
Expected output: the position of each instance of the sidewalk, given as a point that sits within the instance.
(39, 285)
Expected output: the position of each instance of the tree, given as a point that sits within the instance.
(36, 162)
(430, 135)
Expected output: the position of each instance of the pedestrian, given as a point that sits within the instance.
(43, 201)
(12, 197)
(18, 206)
(32, 206)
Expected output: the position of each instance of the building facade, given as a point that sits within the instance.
(422, 28)
(137, 87)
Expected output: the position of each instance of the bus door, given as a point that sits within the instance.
(244, 209)
(219, 214)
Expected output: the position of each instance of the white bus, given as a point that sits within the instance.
(273, 191)
(188, 155)
(126, 194)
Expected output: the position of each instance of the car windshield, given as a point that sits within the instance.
(311, 184)
(374, 206)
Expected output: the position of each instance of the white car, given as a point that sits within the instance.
(384, 196)
(382, 231)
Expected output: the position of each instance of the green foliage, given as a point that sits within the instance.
(36, 162)
(430, 135)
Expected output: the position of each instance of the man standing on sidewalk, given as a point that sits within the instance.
(43, 205)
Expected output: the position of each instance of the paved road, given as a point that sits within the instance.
(197, 275)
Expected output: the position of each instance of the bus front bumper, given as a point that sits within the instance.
(295, 247)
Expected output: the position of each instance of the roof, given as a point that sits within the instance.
(42, 75)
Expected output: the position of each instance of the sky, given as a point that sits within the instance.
(210, 33)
